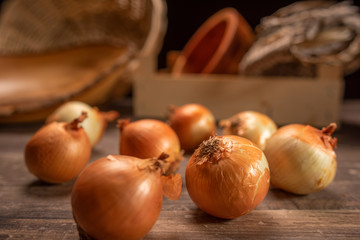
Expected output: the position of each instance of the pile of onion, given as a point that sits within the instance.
(193, 123)
(148, 138)
(302, 159)
(94, 126)
(252, 125)
(120, 197)
(227, 176)
(58, 151)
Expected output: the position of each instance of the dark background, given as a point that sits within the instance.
(185, 16)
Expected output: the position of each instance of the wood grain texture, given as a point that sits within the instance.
(31, 209)
(281, 98)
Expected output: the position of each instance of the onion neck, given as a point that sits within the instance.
(237, 126)
(328, 140)
(75, 124)
(212, 150)
(154, 164)
(122, 123)
(234, 124)
(171, 111)
(108, 116)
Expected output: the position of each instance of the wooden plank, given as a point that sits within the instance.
(195, 224)
(39, 229)
(286, 100)
(259, 224)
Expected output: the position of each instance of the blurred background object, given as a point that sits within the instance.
(297, 38)
(52, 51)
(70, 36)
(217, 46)
(182, 26)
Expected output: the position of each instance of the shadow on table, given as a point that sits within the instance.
(201, 217)
(42, 189)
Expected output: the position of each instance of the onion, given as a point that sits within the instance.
(120, 197)
(148, 138)
(227, 176)
(252, 125)
(302, 158)
(193, 123)
(58, 151)
(94, 125)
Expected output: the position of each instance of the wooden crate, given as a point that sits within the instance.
(314, 101)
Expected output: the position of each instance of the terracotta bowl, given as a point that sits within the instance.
(217, 46)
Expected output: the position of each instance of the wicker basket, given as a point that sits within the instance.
(52, 51)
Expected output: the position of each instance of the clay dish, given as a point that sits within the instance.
(217, 46)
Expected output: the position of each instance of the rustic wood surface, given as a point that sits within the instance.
(31, 209)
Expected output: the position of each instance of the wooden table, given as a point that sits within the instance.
(30, 209)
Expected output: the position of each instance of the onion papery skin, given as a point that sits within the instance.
(149, 138)
(56, 154)
(229, 178)
(255, 126)
(93, 125)
(114, 199)
(193, 123)
(300, 161)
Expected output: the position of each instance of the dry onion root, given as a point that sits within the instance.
(193, 123)
(148, 138)
(252, 125)
(58, 151)
(227, 176)
(94, 126)
(120, 197)
(302, 159)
